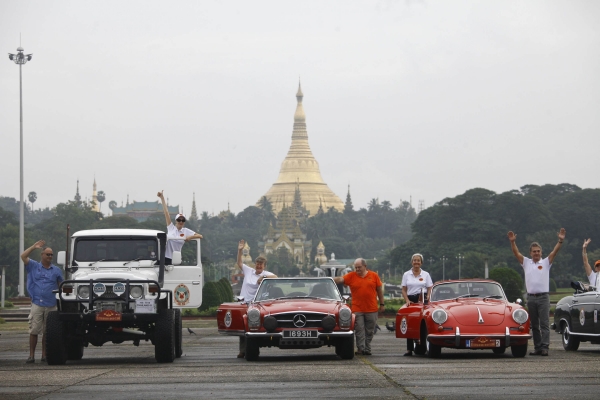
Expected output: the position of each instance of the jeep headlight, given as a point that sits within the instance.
(520, 316)
(253, 318)
(345, 317)
(83, 291)
(439, 316)
(136, 292)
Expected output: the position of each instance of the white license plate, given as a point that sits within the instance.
(299, 333)
(145, 306)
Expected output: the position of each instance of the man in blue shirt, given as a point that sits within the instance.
(42, 279)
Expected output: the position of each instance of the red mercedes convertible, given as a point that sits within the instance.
(465, 314)
(291, 313)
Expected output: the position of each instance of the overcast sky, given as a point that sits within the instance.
(402, 98)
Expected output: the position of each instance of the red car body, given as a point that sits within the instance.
(465, 314)
(291, 313)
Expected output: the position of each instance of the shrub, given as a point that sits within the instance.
(8, 304)
(227, 288)
(2, 321)
(209, 312)
(552, 285)
(210, 296)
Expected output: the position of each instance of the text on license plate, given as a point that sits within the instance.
(482, 343)
(300, 333)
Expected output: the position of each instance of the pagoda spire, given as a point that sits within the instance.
(348, 207)
(194, 213)
(95, 203)
(301, 170)
(77, 196)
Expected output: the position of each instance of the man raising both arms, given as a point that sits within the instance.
(537, 280)
(175, 231)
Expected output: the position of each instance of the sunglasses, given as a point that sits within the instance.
(50, 254)
(180, 220)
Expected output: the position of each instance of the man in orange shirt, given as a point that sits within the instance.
(365, 287)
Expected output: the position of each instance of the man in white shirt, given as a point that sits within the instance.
(252, 279)
(177, 231)
(537, 281)
(592, 275)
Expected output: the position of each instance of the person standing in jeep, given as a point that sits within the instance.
(42, 279)
(175, 231)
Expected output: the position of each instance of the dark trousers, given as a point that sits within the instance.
(168, 261)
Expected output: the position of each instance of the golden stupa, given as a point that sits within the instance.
(301, 170)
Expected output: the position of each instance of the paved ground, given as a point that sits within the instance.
(209, 369)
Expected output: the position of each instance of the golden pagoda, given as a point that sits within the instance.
(301, 169)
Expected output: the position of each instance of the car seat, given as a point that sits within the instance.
(321, 290)
(445, 293)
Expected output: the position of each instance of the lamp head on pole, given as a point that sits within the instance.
(20, 58)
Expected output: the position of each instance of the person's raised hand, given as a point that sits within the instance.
(562, 234)
(585, 243)
(512, 236)
(241, 244)
(39, 244)
(160, 194)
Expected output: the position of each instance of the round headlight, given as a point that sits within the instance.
(439, 316)
(83, 292)
(253, 316)
(520, 316)
(136, 292)
(345, 314)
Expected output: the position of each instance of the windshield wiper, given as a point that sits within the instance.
(468, 295)
(493, 296)
(298, 297)
(125, 263)
(92, 263)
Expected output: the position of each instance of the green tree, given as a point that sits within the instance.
(511, 281)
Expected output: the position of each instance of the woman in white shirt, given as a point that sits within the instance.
(413, 281)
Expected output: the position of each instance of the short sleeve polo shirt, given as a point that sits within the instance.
(537, 275)
(41, 282)
(176, 245)
(414, 284)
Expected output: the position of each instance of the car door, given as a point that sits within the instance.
(582, 312)
(186, 280)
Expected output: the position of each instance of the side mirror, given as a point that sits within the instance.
(519, 301)
(346, 297)
(61, 258)
(239, 298)
(176, 258)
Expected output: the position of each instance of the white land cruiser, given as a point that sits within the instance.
(117, 288)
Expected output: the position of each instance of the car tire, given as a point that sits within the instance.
(164, 336)
(569, 342)
(346, 348)
(75, 349)
(499, 350)
(252, 349)
(178, 334)
(56, 351)
(420, 349)
(433, 350)
(518, 351)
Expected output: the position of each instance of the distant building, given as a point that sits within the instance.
(142, 210)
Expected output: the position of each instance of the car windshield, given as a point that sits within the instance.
(278, 288)
(116, 249)
(453, 290)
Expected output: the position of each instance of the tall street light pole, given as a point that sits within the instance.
(21, 59)
(459, 260)
(444, 267)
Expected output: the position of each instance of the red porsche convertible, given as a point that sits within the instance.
(465, 314)
(291, 313)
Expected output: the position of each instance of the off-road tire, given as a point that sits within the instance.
(75, 349)
(56, 352)
(252, 349)
(499, 350)
(346, 348)
(569, 342)
(178, 334)
(164, 336)
(519, 351)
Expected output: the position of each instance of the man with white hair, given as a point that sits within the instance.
(365, 287)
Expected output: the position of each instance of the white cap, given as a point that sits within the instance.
(180, 215)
